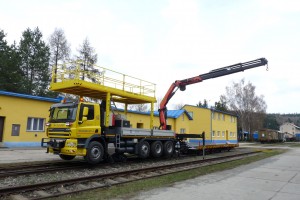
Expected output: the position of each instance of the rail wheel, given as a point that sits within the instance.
(143, 149)
(66, 157)
(156, 149)
(168, 149)
(94, 153)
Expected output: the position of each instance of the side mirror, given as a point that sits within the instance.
(85, 111)
(84, 119)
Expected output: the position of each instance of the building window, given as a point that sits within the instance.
(139, 125)
(182, 130)
(213, 134)
(223, 117)
(15, 131)
(191, 114)
(218, 134)
(35, 124)
(230, 134)
(232, 119)
(223, 134)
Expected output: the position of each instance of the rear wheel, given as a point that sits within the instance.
(168, 149)
(143, 149)
(94, 153)
(156, 149)
(66, 157)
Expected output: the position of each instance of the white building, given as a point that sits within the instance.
(289, 128)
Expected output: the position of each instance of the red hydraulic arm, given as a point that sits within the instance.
(181, 84)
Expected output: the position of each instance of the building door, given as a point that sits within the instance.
(1, 128)
(227, 135)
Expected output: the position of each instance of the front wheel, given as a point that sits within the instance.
(94, 153)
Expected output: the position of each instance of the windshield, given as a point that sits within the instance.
(63, 113)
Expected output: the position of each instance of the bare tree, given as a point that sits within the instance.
(138, 107)
(249, 107)
(59, 48)
(157, 104)
(88, 58)
(178, 106)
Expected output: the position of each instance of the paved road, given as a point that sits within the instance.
(276, 178)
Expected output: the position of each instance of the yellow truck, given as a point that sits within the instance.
(86, 129)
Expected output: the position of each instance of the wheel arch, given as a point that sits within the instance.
(97, 138)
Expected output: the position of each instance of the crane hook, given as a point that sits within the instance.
(267, 69)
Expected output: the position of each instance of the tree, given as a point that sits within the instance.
(10, 72)
(199, 104)
(157, 104)
(35, 55)
(270, 122)
(59, 49)
(221, 105)
(178, 106)
(204, 105)
(88, 58)
(138, 107)
(250, 108)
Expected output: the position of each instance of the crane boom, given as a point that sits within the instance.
(181, 84)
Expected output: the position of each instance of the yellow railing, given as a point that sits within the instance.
(102, 76)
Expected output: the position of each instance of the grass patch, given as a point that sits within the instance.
(130, 189)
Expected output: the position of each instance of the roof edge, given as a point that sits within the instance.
(27, 96)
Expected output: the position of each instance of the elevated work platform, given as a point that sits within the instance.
(99, 82)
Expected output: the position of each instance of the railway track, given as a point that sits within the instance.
(47, 167)
(26, 169)
(64, 187)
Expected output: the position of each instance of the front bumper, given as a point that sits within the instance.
(63, 146)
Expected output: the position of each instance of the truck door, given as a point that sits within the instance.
(87, 125)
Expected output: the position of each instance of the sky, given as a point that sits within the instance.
(166, 40)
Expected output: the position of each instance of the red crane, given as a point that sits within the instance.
(181, 84)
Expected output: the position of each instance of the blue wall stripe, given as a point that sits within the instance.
(22, 144)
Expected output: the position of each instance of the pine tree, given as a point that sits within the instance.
(35, 55)
(10, 73)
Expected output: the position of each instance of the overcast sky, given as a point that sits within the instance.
(166, 40)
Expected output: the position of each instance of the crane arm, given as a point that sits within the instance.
(181, 84)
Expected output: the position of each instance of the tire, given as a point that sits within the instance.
(157, 149)
(143, 149)
(94, 153)
(168, 149)
(66, 157)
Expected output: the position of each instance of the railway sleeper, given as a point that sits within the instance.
(42, 193)
(17, 197)
(97, 184)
